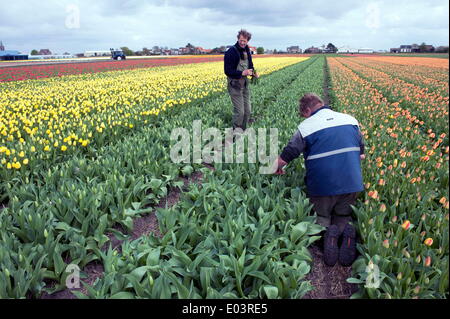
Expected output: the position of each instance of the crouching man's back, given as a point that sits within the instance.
(332, 153)
(332, 147)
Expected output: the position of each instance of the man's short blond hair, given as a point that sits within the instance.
(309, 101)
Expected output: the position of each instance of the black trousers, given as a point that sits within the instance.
(334, 210)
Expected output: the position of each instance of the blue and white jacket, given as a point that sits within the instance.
(331, 143)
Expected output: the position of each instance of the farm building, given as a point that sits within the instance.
(8, 55)
(51, 56)
(408, 48)
(253, 50)
(313, 50)
(294, 49)
(97, 53)
(413, 48)
(347, 50)
(365, 50)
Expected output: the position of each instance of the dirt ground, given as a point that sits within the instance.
(329, 282)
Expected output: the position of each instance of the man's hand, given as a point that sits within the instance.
(362, 156)
(278, 166)
(247, 72)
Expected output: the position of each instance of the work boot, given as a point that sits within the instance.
(347, 251)
(330, 249)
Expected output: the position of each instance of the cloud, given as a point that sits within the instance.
(266, 12)
(380, 24)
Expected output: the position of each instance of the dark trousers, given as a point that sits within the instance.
(334, 210)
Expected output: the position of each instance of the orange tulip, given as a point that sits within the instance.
(428, 241)
(428, 261)
(373, 194)
(406, 225)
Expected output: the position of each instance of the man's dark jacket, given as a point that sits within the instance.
(231, 60)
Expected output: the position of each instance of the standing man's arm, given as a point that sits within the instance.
(250, 61)
(292, 150)
(230, 65)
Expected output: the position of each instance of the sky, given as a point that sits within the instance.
(76, 26)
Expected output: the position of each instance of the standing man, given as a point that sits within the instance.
(238, 65)
(332, 146)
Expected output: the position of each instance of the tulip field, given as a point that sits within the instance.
(403, 218)
(85, 150)
(19, 73)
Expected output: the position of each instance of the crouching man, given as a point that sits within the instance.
(332, 147)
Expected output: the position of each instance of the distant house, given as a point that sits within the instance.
(45, 52)
(295, 49)
(200, 50)
(441, 49)
(413, 48)
(327, 50)
(313, 50)
(405, 48)
(253, 50)
(219, 50)
(184, 50)
(429, 48)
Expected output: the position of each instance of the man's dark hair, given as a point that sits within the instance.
(245, 34)
(309, 100)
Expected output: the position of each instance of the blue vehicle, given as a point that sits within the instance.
(117, 54)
